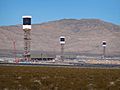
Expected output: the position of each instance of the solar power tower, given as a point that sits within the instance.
(27, 38)
(104, 48)
(62, 42)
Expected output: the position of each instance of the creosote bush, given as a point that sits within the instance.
(58, 78)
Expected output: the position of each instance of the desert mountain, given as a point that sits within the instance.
(82, 36)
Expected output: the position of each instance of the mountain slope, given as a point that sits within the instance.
(83, 36)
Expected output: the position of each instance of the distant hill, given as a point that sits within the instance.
(82, 36)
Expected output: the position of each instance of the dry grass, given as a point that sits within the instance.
(56, 78)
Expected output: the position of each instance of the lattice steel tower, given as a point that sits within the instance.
(27, 38)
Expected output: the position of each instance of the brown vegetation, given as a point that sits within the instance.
(52, 78)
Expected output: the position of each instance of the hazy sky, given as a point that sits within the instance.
(11, 11)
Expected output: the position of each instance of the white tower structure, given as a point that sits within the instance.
(27, 39)
(62, 43)
(104, 48)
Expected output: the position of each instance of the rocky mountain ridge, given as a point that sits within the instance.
(82, 36)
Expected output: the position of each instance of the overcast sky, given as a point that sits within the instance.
(11, 11)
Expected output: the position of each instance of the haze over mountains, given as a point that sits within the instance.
(82, 36)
